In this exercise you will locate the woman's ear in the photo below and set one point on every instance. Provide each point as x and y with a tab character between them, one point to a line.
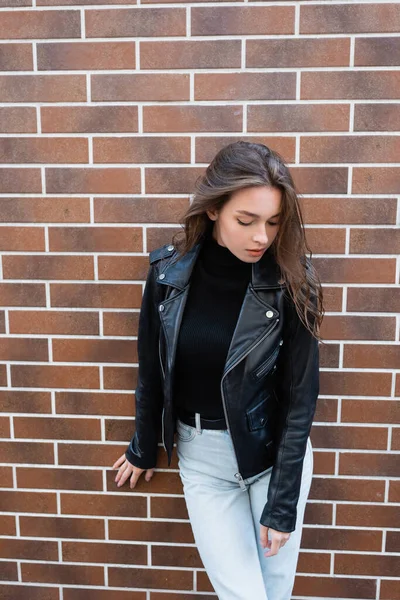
212	214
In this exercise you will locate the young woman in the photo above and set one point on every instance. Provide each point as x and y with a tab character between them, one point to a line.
229	362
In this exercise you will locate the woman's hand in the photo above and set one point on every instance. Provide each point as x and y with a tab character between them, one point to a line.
126	469
279	539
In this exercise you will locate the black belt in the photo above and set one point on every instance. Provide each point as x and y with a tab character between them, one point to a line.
189	419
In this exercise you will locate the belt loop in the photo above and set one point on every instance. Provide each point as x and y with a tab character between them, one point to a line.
198	423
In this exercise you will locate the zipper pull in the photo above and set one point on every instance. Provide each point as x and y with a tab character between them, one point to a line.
241	482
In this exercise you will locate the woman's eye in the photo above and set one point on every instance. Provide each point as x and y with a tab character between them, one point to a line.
269	223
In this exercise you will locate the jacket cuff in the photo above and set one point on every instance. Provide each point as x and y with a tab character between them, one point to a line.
283	523
137	460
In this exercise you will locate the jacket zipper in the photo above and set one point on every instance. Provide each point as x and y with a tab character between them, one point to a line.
238	474
264	367
163	410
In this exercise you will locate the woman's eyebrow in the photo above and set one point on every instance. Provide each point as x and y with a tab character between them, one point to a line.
250	214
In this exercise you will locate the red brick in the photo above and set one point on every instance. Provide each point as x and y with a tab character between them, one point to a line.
327	241
356	270
28	24
339	587
150	578
95	239
131	506
376	51
28	549
121	267
49	428
349	149
22	592
43	150
95	295
16	119
370	411
28	502
48	267
191	118
17	239
390	589
142	149
92	181
171	180
215	54
352	211
88	119
362	356
357	437
59	376
104	552
298	117
348	327
24	349
373	464
54	322
20	181
86	55
320	180
376	117
342	489
28	402
357	85
55	478
367	564
347	18
241	20
375	241
42	88
375	180
16	57
298	53
58	573
44	210
139	210
341	539
62	527
106	350
245	86
349	383
105	594
140	87
27	452
100	403
367	299
135	22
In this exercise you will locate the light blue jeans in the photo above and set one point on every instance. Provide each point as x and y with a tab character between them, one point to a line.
225	518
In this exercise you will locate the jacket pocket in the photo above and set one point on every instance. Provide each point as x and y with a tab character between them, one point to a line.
257	417
267	365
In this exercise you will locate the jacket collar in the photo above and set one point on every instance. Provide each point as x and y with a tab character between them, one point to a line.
265	274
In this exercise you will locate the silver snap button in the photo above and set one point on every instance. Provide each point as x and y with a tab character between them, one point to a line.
262	420
281	342
162	276
269	314
161	307
170	248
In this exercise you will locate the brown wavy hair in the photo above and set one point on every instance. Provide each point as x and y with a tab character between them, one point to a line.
245	164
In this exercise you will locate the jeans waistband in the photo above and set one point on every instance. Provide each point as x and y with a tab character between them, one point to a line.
190	419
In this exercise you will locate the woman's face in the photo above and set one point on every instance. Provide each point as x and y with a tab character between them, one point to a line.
248	221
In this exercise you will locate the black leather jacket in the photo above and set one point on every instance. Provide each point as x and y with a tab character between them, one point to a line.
269	386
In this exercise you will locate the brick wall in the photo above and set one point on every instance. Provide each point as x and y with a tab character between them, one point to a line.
108	112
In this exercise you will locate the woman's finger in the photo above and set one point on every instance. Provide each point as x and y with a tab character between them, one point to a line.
125	474
119	462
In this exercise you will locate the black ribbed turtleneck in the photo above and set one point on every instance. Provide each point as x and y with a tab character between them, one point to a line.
217	287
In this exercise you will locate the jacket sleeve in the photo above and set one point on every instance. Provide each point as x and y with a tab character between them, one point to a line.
143	448
297	393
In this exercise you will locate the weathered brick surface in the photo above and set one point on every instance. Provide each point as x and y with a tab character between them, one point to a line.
109	111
